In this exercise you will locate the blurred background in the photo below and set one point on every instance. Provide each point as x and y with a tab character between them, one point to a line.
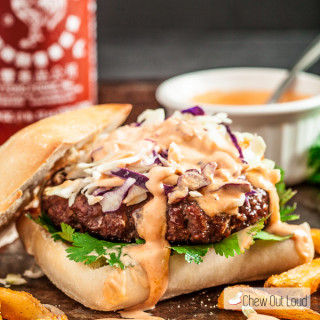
143	39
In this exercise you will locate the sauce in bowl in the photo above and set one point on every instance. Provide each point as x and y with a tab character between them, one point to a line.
244	97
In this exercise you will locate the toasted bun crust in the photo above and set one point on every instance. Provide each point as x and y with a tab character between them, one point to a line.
31	152
109	288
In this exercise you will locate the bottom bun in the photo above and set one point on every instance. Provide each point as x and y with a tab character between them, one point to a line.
109	288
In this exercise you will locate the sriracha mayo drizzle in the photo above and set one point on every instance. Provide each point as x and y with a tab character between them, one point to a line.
137	315
266	180
255	316
301	235
151	225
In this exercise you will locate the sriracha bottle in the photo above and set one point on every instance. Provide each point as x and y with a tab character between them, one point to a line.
47	59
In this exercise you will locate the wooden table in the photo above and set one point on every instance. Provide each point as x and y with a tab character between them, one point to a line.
200	305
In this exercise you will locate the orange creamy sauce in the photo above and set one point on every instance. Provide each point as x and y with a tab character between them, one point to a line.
192	148
244	97
255	316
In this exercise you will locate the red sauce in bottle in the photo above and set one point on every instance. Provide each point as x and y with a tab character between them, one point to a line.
47	59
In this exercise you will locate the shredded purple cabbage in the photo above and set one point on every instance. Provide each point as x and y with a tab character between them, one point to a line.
99	191
126	173
235	142
168	188
196	111
156	158
112	200
250	193
158	161
136	124
164	154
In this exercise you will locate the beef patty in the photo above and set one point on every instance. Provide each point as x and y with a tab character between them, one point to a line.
186	221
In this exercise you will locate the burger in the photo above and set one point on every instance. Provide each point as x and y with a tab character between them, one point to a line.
122	217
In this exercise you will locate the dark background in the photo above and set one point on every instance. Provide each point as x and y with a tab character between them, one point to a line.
155	39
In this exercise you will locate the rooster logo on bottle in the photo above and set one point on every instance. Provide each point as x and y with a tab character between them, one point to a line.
36	15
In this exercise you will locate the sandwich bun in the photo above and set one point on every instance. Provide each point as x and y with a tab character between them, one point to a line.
108	288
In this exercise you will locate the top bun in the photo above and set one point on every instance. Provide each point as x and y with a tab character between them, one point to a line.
32	151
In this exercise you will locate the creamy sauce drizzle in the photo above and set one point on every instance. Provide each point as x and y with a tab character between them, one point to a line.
255	316
138	315
151	226
301	235
245	239
266	180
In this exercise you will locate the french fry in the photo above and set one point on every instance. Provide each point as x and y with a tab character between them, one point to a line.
315	233
291	314
23	306
307	275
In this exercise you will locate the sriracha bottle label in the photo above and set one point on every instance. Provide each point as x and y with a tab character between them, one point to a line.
47	59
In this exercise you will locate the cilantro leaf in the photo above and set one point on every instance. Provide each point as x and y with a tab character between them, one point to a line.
228	246
88	249
193	253
85	248
284	196
65	234
44	221
253	230
264	235
314	162
231	245
285	213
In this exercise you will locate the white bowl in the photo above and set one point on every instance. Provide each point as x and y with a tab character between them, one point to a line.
288	128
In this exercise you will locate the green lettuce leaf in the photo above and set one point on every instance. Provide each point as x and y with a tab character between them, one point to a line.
264	235
85	248
44	221
193	253
314	162
66	233
88	249
229	246
284	196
